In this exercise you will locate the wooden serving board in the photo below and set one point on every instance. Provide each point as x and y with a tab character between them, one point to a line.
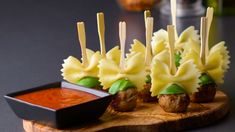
149	117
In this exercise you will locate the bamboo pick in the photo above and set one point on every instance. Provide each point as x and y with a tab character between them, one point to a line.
82	40
147	14
148	34
173	17
122	37
171	37
204	37
209	15
101	32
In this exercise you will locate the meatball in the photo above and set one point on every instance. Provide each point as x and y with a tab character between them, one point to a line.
125	101
206	93
145	94
174	103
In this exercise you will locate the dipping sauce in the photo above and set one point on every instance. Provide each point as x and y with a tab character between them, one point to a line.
57	98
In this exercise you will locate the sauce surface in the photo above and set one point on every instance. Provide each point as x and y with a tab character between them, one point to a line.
57	98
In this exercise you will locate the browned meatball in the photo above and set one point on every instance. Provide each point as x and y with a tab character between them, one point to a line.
174	103
145	94
125	100
206	93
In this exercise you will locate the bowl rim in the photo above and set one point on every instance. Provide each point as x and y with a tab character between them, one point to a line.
63	84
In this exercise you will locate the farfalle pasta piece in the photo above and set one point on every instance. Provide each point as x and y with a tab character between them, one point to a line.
189	35
217	61
163	57
73	70
160	40
186	76
192	45
137	46
222	49
133	71
114	54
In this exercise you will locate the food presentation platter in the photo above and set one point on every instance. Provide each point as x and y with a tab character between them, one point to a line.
149	117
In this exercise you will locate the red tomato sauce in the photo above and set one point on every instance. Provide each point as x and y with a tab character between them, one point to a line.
57	98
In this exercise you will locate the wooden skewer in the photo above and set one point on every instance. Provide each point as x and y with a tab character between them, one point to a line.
203	35
147	14
173	16
82	40
148	34
209	15
171	37
122	37
101	32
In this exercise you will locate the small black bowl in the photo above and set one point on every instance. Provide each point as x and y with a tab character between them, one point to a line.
64	117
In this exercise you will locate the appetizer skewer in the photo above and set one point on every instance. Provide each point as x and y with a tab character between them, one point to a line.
213	62
82	73
145	94
125	78
173	85
146	51
85	73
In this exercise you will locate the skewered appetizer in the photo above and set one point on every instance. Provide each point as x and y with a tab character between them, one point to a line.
144	94
138	47
85	73
213	62
173	85
125	78
82	73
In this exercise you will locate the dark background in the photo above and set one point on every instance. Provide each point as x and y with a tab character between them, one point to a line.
35	37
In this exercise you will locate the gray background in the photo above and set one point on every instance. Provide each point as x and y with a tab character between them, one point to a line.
35	37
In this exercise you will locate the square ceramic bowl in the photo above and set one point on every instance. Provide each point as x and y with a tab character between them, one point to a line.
63	117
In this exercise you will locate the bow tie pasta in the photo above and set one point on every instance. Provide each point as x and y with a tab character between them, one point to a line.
186	75
114	54
217	61
134	71
73	70
137	46
160	39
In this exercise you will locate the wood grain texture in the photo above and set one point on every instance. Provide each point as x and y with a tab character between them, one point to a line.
149	117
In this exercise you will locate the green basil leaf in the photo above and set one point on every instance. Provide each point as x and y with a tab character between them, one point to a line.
177	59
89	82
206	79
120	85
173	89
148	79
